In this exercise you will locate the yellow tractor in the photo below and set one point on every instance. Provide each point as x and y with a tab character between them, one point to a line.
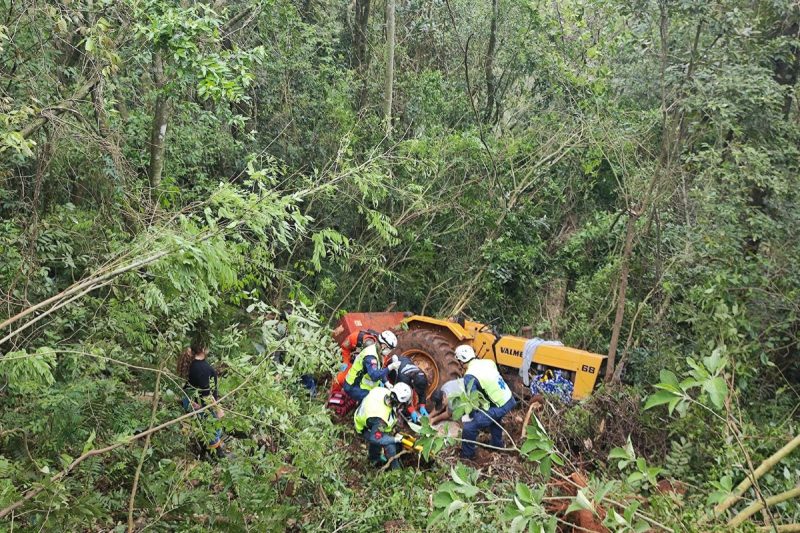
430	343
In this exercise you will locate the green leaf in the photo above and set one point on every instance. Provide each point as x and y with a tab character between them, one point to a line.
580	502
538	455
456	477
659	398
518	524
519	504
89	444
455	506
434	516
717	390
635	477
619	453
668	378
672	403
527	447
468	490
544	467
442	499
524	493
714	361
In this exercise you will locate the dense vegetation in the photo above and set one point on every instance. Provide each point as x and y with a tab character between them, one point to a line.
621	175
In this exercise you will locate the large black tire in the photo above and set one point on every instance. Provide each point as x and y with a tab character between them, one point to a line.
433	353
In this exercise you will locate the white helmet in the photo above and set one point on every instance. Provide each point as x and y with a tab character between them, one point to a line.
388	338
401	393
465	353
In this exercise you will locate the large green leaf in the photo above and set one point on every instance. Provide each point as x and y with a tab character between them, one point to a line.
659	398
717	390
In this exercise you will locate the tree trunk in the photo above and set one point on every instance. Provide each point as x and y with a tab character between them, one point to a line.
360	34
668	144
554	301
623	287
387	90
786	72
360	42
491	82
159	131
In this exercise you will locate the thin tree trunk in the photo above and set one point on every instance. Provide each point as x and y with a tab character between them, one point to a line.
786	71
387	90
360	41
159	131
554	301
636	209
491	82
623	287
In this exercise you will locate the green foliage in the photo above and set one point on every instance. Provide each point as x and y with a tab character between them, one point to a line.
626	521
539	448
708	376
28	373
527	513
283	203
642	475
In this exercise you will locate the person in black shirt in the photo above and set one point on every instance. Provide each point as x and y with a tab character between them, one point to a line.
403	370
198	391
201	373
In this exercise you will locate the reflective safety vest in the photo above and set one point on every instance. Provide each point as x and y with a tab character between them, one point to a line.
374	406
490	380
358	372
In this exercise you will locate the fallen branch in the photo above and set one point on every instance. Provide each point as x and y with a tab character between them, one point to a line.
622	506
756	506
762	469
393	459
91	283
785	528
52	309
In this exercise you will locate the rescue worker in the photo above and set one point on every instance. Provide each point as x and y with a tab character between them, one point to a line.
197	392
445	400
375	422
482	376
355	342
366	372
403	370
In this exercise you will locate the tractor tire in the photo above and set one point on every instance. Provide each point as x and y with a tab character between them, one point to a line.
433	353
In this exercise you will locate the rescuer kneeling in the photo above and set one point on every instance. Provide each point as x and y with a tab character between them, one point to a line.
482	376
375	420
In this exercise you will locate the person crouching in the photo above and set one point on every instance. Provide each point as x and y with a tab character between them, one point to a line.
375	421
